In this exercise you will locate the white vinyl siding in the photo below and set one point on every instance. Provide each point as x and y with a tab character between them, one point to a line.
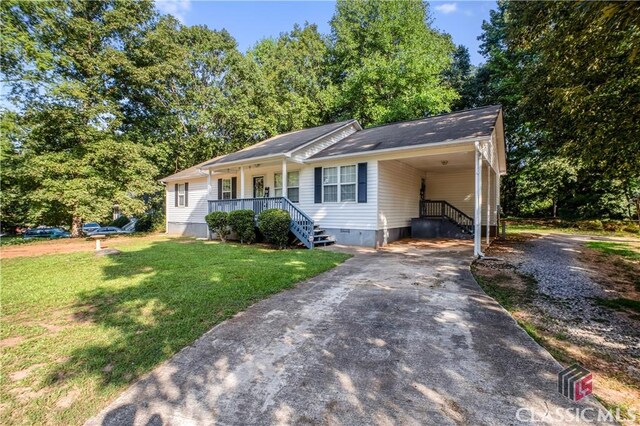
197	207
456	187
398	194
341	215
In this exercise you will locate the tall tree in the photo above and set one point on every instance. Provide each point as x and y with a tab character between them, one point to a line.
581	105
588	98
62	60
296	66
388	61
461	77
197	96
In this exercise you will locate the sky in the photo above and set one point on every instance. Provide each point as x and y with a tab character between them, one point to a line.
250	21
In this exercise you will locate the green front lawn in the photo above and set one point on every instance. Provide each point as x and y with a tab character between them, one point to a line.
621	249
77	329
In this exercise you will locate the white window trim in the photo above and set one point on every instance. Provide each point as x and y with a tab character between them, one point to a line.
230	191
182	194
275	188
339	184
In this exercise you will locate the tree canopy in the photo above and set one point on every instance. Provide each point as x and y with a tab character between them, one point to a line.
107	97
567	75
389	61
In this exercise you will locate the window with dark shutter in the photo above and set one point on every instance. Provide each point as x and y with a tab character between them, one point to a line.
186	194
219	189
362	182
175	193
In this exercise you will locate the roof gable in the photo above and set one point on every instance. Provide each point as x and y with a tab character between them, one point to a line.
280	144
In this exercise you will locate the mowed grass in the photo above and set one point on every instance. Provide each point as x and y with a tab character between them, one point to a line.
620	249
77	329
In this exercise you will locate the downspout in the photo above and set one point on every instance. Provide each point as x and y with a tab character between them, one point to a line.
477	216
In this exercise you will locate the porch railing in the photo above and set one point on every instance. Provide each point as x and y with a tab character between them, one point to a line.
443	210
301	224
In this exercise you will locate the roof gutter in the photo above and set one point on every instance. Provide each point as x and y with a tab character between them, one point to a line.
246	160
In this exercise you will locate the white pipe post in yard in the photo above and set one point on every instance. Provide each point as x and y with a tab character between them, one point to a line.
477	216
284	177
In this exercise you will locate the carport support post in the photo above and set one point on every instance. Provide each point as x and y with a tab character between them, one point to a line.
477	216
488	229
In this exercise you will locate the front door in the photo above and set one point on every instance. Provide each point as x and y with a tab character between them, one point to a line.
258	186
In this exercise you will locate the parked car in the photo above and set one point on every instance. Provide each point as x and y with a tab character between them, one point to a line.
89	227
109	230
45	233
131	226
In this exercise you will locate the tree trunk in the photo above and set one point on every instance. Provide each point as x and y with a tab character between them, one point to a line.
555	209
76	226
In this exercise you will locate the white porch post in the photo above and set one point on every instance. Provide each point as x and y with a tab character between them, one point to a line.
209	187
284	177
488	239
242	182
477	216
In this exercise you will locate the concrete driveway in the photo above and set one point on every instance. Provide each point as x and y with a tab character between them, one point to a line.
399	336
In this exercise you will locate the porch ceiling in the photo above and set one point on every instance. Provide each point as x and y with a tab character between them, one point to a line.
441	163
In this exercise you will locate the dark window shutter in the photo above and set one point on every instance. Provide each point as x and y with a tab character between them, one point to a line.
219	189
234	184
176	194
362	182
317	185
186	194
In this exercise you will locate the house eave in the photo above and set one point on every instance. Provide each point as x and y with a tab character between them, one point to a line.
197	175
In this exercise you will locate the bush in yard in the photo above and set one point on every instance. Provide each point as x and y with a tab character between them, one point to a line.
613	225
218	223
120	222
242	223
590	225
631	227
274	225
151	222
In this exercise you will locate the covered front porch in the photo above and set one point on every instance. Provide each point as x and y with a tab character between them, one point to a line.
258	186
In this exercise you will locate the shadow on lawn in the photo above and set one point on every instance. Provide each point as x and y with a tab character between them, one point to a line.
157	300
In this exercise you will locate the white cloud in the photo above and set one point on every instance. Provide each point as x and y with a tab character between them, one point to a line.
177	8
447	8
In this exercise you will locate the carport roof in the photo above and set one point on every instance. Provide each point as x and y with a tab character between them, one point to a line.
465	124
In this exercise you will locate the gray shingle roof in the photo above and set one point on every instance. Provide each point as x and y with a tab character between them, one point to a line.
441	128
191	172
280	144
470	123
